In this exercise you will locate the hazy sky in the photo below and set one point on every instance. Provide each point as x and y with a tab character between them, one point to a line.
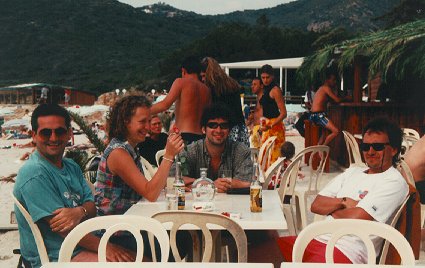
211	7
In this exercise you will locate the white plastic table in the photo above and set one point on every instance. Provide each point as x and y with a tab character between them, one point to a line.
154	265
271	218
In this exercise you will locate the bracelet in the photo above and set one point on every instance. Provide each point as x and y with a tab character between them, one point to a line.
84	211
168	159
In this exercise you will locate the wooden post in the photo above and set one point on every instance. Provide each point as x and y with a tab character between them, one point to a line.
357	91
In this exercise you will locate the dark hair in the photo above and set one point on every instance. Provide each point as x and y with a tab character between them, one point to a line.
192	65
258	78
329	72
393	131
214	111
287	150
120	114
46	110
268	69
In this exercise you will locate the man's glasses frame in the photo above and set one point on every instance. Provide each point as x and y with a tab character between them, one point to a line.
377	146
47	132
214	125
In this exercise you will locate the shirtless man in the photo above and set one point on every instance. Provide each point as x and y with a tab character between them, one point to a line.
190	96
318	109
257	89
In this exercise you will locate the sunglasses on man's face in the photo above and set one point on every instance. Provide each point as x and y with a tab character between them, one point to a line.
47	132
215	125
376	146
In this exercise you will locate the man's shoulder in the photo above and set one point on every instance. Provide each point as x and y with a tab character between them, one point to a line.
238	146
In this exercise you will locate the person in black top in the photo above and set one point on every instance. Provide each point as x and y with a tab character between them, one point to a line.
155	142
274	110
226	91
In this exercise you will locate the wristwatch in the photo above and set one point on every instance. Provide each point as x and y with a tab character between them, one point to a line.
84	211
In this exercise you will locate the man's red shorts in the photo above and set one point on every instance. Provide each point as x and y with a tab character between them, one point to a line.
315	251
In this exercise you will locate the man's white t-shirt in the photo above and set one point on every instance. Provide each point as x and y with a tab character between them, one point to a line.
380	195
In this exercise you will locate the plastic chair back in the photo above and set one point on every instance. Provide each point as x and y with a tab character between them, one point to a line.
411	132
202	219
353	150
158	156
113	224
41	248
360	228
265	154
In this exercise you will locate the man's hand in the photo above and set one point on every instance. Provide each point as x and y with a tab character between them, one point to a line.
349	203
115	253
65	219
222	185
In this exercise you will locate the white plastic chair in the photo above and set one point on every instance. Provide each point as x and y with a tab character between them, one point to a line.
411	132
310	184
360	228
158	156
265	154
273	170
353	150
406	144
41	248
112	224
288	179
393	224
202	220
148	169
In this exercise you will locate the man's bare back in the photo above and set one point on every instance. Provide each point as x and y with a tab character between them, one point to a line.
321	99
194	97
191	96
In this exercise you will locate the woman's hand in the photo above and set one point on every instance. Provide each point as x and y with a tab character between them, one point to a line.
174	145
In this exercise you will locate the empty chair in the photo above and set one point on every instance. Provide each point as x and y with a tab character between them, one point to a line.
148	169
407	143
265	153
41	248
288	180
274	170
363	229
309	185
158	156
411	132
112	224
200	219
353	150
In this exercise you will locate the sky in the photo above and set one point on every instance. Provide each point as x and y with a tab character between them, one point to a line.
211	7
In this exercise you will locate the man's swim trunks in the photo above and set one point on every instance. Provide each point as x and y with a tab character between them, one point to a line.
191	137
319	118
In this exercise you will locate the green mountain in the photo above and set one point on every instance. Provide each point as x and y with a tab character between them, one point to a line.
100	45
319	15
92	44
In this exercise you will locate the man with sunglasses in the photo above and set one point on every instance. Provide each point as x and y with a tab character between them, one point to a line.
54	192
217	152
372	193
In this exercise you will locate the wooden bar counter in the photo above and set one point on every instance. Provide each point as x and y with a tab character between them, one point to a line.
353	117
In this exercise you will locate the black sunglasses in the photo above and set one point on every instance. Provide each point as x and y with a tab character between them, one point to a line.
215	125
376	146
47	132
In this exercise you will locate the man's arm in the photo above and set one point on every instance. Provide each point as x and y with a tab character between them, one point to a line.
339	208
65	219
91	242
334	97
325	205
171	97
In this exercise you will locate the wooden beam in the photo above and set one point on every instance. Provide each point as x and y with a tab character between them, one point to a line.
357	92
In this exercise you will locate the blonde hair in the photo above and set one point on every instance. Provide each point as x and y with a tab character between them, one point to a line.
216	79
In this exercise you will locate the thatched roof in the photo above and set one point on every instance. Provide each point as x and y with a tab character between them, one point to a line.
399	51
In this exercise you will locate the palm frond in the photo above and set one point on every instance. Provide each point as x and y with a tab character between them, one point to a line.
100	146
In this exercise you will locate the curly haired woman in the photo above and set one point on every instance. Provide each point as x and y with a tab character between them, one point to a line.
120	180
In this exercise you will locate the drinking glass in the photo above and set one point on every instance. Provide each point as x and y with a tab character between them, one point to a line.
227	174
171	198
